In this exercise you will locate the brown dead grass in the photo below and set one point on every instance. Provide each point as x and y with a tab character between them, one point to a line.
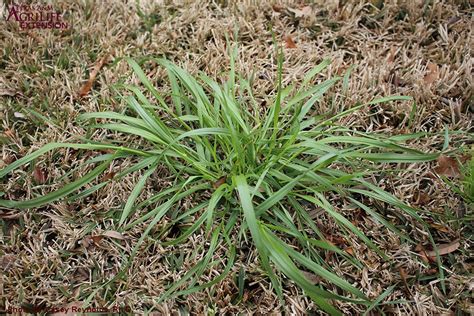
405	48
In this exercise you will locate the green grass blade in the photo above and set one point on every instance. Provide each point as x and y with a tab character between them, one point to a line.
30	157
316	70
251	220
58	194
286	265
134	195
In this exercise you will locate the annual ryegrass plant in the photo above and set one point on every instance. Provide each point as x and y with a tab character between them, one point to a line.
254	174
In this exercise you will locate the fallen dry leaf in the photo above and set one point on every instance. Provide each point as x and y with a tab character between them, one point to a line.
448	167
113	234
444	249
349	250
289	42
219	182
88	85
97	239
432	73
108	176
303	12
39	175
336	240
421	198
441	228
421	250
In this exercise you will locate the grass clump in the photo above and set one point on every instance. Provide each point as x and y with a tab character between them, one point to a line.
262	169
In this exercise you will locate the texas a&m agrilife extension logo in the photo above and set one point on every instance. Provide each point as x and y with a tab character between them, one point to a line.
36	16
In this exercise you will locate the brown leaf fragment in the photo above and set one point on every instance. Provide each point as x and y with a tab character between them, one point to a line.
88	84
432	73
97	239
349	250
421	250
448	167
444	249
421	198
336	240
113	234
289	42
86	87
424	257
39	175
440	227
108	176
219	182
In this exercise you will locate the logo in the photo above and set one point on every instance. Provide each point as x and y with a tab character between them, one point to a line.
31	16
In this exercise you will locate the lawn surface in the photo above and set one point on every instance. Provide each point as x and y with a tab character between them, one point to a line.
49	256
